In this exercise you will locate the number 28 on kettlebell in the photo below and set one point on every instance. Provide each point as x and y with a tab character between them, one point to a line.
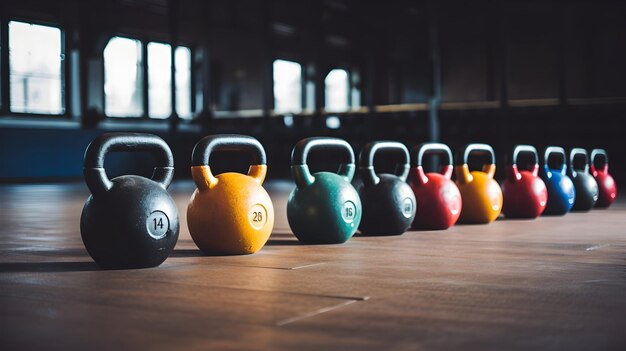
229	213
324	208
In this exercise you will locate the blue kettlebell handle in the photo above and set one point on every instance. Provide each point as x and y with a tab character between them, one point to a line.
299	168
95	175
366	160
550	150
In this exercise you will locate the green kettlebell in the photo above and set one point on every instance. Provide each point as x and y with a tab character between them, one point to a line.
324	208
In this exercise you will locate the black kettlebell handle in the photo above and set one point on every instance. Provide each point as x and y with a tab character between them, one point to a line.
550	150
227	142
366	160
578	152
95	175
595	153
422	149
463	156
300	153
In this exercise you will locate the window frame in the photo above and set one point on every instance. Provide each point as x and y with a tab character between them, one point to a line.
303	80
145	100
349	86
5	72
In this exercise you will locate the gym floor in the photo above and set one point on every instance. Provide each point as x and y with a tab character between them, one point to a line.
554	282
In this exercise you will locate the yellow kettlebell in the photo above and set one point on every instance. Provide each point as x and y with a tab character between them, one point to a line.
481	194
231	213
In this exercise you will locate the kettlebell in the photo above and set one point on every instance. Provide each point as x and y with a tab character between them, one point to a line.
481	194
438	198
388	201
561	192
606	184
231	213
584	183
323	208
129	221
525	194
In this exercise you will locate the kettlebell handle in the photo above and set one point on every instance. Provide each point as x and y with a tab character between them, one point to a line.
595	153
422	149
573	154
551	150
300	153
462	157
512	160
200	157
95	175
366	160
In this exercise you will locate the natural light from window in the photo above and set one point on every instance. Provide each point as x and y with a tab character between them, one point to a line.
35	60
183	82
287	87
123	78
159	80
337	89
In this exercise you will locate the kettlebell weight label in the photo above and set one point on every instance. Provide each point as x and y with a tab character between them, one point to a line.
407	207
158	224
348	211
257	216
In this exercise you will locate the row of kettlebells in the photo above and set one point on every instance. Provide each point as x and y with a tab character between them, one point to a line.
131	221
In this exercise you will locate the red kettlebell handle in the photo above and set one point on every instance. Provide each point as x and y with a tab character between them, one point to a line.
599	153
422	149
512	170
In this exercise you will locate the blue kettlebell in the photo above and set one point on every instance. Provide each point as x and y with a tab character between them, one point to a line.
561	192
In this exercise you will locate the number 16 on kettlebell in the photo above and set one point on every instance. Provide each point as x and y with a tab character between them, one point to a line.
229	213
324	208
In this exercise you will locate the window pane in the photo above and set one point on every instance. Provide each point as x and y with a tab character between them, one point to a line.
123	78
336	90
287	87
183	82
35	59
159	80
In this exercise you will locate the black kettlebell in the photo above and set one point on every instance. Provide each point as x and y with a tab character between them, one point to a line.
586	186
388	201
129	221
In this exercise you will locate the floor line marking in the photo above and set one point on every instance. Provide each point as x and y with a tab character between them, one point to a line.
315	313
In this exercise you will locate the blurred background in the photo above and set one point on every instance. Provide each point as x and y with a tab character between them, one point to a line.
499	72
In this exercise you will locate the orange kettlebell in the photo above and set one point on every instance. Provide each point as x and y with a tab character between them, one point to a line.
481	194
229	213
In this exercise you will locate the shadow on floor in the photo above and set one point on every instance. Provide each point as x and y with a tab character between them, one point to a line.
47	267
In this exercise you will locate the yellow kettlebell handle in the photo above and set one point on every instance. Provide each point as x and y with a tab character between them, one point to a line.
462	170
201	171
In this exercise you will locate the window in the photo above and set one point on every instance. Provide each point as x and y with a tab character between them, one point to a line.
35	69
287	87
123	78
183	82
159	80
337	91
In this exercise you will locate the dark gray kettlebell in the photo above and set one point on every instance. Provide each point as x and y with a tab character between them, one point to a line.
584	183
388	201
129	221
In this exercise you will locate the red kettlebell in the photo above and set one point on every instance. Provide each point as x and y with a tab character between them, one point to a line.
525	194
606	183
438	198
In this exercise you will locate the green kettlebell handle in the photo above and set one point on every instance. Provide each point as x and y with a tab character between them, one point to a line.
595	153
300	169
95	176
523	149
551	150
366	160
573	154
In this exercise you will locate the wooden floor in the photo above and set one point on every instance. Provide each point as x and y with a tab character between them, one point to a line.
551	283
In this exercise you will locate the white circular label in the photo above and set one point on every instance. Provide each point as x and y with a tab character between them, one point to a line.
348	211
257	216
158	224
407	207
